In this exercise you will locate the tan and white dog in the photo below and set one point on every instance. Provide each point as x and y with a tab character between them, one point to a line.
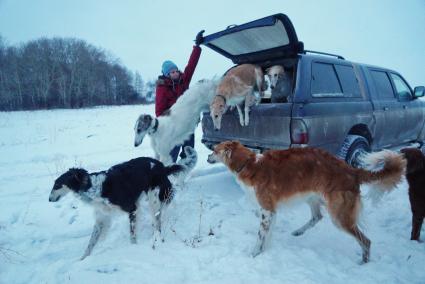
237	88
280	83
274	73
279	176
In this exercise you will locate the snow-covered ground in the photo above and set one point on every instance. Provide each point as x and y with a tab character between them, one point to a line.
210	227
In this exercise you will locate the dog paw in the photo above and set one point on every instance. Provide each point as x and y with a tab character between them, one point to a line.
362	262
255	253
157	238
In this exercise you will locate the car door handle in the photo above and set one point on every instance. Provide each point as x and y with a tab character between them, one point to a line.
385	108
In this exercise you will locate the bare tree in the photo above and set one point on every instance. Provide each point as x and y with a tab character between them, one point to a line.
63	72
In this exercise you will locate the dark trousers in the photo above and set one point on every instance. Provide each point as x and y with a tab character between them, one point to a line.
175	152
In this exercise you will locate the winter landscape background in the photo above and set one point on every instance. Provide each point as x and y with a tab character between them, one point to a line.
210	227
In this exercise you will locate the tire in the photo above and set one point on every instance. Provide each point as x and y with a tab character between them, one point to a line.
353	148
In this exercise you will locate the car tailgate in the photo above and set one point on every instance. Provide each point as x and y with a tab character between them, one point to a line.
269	127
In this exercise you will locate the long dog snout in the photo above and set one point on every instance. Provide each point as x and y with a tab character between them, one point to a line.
211	158
138	139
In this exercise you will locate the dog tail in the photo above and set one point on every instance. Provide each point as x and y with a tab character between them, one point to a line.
185	165
259	79
383	170
173	169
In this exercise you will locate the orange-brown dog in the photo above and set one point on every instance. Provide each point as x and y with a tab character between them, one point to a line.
278	176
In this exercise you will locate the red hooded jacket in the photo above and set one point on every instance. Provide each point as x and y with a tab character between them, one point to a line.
168	91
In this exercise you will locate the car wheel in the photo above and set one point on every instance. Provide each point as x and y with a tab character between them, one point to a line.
353	148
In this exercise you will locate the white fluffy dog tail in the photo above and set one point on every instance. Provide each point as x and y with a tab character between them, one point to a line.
383	170
185	165
190	160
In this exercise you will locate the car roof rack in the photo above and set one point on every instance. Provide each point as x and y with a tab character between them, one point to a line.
323	53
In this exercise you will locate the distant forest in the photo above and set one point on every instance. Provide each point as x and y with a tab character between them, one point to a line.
66	73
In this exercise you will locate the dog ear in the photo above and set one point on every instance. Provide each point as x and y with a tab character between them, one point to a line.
86	182
228	153
83	179
147	118
234	144
229	148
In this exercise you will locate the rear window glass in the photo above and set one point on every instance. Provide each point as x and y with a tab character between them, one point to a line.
348	79
383	84
324	81
254	39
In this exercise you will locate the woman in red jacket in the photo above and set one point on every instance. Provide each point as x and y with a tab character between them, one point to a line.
172	84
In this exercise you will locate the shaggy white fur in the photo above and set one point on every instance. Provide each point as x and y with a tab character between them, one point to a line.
173	129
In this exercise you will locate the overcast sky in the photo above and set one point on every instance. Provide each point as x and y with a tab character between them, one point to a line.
144	33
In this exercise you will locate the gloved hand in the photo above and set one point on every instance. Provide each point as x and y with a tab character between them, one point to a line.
199	38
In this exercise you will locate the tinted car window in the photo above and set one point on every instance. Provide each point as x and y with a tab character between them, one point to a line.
348	79
324	81
402	89
383	84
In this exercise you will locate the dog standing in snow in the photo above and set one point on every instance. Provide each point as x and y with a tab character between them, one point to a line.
415	175
120	188
172	129
236	89
279	176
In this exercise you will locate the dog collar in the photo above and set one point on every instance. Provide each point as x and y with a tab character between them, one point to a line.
224	99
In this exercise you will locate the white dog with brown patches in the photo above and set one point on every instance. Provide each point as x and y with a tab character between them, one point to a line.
236	89
280	83
274	73
279	176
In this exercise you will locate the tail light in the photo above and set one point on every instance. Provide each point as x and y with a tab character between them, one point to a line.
299	132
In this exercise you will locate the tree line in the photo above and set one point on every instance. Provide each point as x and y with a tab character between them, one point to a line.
65	73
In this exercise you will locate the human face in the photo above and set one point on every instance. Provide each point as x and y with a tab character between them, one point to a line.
174	74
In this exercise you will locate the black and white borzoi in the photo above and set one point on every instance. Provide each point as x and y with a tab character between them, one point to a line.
120	188
173	129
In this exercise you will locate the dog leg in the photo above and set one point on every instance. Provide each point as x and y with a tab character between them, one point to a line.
100	227
241	119
417	221
156	151
267	219
155	206
363	241
133	221
316	216
246	109
344	208
250	100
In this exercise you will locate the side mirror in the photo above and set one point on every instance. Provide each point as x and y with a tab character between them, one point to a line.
419	92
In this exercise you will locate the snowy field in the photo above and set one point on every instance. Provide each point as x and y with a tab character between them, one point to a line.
210	227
